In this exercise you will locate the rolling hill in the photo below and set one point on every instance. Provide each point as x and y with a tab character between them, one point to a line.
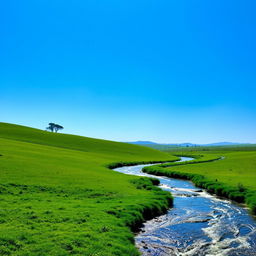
58	196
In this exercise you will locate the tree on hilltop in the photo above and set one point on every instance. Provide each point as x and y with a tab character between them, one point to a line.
54	127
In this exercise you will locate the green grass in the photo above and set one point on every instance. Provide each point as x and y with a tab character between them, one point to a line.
174	148
57	196
198	158
233	177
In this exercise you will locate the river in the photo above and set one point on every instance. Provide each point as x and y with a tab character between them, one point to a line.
199	224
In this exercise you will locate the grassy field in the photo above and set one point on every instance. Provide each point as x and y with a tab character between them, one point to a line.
174	148
233	177
57	196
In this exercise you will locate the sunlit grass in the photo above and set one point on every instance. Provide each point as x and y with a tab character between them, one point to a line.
57	197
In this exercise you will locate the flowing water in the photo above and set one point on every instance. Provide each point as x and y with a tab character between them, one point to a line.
198	224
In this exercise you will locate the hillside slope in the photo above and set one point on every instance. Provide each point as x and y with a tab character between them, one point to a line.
32	135
57	197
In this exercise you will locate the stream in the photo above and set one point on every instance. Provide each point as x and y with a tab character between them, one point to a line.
199	224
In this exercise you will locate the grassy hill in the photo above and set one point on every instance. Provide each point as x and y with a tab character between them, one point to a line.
57	196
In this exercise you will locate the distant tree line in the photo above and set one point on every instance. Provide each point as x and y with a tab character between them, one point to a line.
54	127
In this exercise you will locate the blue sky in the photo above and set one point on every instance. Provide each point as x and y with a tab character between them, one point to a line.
167	71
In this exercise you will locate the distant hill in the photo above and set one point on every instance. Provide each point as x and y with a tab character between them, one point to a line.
186	144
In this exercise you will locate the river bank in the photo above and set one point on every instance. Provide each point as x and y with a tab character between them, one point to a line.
238	193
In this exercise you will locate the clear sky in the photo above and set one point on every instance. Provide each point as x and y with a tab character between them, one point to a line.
160	70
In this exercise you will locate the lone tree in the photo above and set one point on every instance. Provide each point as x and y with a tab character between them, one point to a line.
54	127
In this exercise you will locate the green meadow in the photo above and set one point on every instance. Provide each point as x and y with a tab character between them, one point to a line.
59	197
226	171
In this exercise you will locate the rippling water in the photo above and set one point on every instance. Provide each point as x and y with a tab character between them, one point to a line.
198	224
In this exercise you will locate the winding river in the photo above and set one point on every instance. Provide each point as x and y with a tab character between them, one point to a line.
198	224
